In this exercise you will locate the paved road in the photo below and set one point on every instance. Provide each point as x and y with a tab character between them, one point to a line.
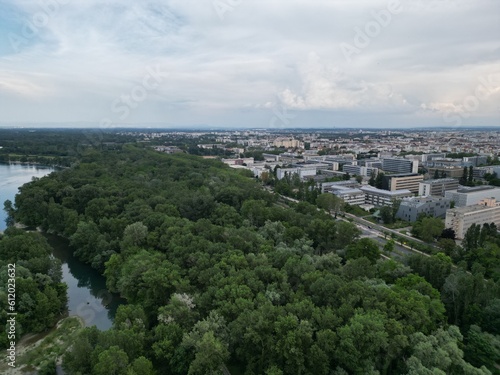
376	233
378	237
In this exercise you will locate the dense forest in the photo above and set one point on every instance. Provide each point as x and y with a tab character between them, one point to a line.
40	297
222	278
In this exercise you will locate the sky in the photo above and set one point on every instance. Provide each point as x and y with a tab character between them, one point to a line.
250	63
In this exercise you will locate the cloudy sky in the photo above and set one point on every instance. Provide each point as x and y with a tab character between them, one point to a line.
250	63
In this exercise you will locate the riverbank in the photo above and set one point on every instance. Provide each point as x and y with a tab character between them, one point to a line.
34	351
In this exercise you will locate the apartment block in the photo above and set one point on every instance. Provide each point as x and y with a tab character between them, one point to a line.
461	219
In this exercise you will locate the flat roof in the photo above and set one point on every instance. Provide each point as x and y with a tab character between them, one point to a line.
469	209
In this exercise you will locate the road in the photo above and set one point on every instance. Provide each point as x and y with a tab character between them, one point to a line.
376	233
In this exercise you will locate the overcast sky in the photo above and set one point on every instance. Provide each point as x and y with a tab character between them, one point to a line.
250	63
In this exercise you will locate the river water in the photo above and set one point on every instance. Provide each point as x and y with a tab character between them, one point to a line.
87	294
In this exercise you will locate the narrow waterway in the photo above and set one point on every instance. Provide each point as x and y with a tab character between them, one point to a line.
87	294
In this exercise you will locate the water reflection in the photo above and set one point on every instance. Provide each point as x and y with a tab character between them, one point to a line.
13	176
87	294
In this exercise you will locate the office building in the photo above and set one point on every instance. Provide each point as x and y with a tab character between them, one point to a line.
356	170
402	181
460	219
379	197
468	196
354	197
411	208
399	165
289	172
437	187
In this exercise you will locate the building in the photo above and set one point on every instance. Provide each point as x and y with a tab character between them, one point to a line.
241	161
400	165
354	197
467	196
287	143
446	172
356	170
379	197
411	208
461	219
429	157
301	172
476	160
437	187
402	181
328	187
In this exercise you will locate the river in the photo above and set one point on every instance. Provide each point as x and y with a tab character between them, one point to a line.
87	294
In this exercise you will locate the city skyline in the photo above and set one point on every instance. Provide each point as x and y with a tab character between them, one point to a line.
231	63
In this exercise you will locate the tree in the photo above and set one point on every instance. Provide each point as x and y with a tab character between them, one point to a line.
440	353
396	203
365	247
379	181
386	215
436	174
329	202
141	366
135	234
361	341
470	177
427	228
463	179
9	210
113	361
482	348
389	246
371	181
448	233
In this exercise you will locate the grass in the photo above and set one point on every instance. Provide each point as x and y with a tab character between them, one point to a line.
399	224
53	345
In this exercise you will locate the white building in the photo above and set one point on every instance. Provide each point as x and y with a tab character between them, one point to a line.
468	196
379	197
301	172
359	170
461	219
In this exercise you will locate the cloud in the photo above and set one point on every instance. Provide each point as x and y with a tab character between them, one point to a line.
259	56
